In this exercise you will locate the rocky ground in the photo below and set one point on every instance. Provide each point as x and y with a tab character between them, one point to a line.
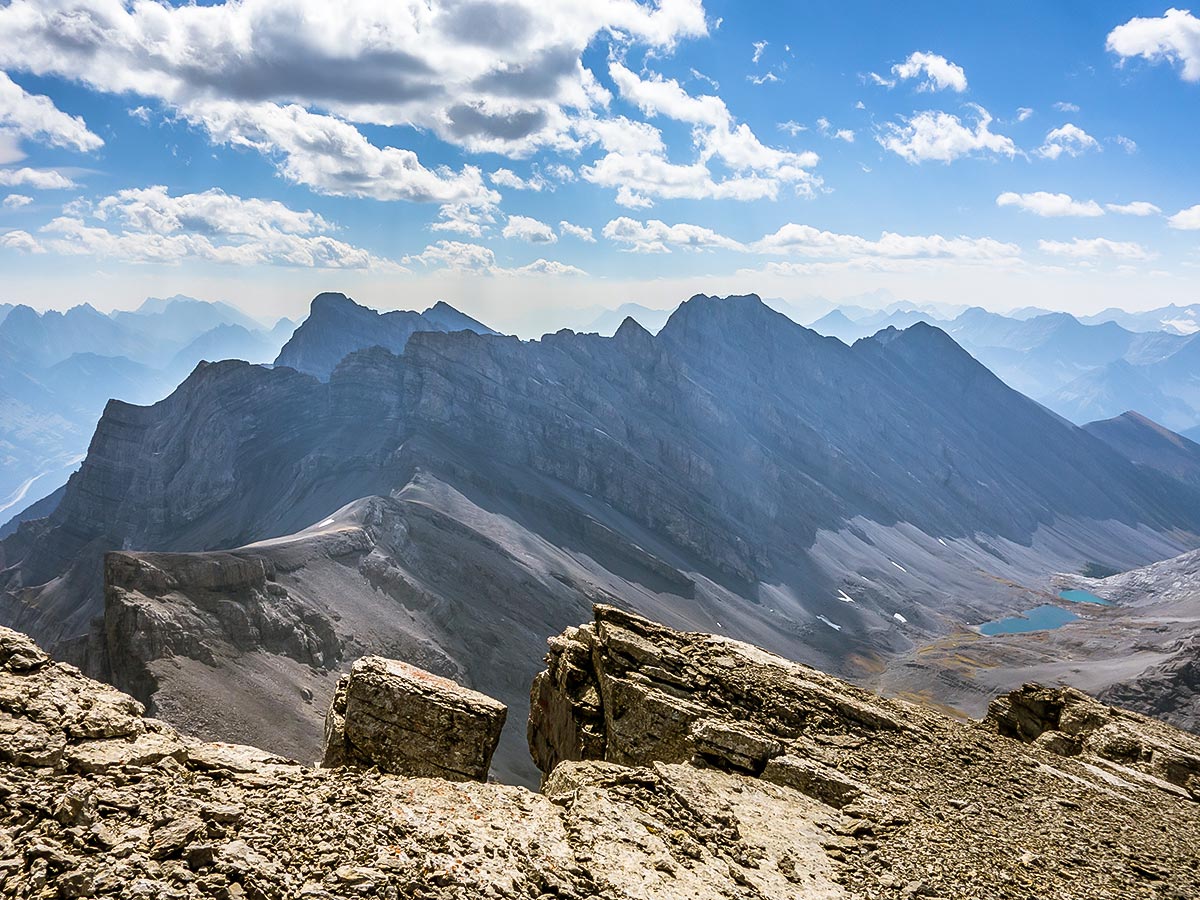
678	765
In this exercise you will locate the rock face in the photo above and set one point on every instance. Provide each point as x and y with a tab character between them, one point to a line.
337	326
940	809
1070	723
406	721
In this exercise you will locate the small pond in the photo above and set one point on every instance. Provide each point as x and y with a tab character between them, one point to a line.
1040	618
1076	596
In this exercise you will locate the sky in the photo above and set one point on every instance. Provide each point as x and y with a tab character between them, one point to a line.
526	158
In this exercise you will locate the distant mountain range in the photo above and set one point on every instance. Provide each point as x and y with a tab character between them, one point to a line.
1083	368
457	501
58	369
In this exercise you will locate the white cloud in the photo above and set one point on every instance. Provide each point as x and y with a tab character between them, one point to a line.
1063	106
292	79
35	117
1069	139
16	201
939	73
876	78
524	228
471	219
1174	37
38	179
654	236
759	47
333	157
479	260
762	79
141	113
1091	248
1023	113
1127	144
547	267
1186	219
805	240
455	255
636	162
794	239
791	127
942	137
1136	208
1043	203
577	231
842	134
510	179
21	240
149	225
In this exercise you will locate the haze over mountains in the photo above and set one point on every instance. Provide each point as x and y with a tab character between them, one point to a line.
737	472
58	369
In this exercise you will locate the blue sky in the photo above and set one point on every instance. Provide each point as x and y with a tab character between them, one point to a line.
1001	154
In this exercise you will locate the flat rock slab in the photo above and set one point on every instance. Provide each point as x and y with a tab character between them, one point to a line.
406	721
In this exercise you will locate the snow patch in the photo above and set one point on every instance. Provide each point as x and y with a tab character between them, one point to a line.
899	618
844	597
830	624
326	522
898	566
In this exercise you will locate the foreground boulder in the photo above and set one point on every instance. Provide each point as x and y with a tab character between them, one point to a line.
743	775
406	721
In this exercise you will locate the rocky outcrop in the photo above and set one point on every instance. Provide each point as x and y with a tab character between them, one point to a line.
1070	723
945	809
405	721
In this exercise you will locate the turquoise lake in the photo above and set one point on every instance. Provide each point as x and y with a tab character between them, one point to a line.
1040	618
1083	597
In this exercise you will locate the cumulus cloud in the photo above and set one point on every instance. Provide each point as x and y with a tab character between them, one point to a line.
1136	208
471	219
35	117
1043	203
38	179
21	240
795	239
1091	248
1174	37
16	201
942	137
476	259
654	236
937	72
1023	113
289	78
525	228
333	157
1069	139
510	179
805	240
577	231
149	225
1186	219
636	163
548	267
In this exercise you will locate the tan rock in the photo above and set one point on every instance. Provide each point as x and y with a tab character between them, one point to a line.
406	721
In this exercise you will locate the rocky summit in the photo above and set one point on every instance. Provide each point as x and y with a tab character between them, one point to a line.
675	764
